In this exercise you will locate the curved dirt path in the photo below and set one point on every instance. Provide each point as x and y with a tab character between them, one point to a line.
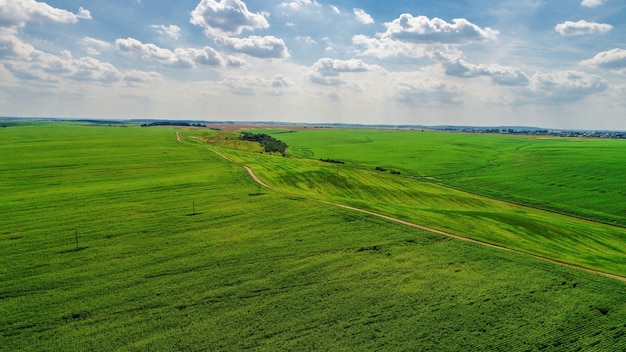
425	228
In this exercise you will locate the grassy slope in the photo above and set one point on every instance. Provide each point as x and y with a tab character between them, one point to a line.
581	177
269	272
562	238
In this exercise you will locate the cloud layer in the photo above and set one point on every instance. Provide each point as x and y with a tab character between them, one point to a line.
318	60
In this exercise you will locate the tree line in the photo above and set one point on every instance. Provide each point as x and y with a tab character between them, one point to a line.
269	143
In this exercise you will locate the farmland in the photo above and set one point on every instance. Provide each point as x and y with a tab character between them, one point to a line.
562	238
580	177
124	238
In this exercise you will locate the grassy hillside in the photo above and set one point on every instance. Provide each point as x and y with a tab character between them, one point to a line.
246	271
581	177
571	240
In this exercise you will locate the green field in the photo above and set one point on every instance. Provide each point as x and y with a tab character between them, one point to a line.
580	177
177	250
562	238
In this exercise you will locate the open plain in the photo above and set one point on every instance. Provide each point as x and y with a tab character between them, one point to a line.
125	238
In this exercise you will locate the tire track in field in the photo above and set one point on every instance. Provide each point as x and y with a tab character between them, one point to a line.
426	228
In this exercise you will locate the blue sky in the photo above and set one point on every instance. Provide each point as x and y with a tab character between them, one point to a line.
552	64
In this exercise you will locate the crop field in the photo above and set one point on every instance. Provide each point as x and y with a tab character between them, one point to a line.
562	238
124	238
580	177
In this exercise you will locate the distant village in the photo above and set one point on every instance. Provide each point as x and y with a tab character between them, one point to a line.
545	132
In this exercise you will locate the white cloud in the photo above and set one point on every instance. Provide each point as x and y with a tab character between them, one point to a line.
226	17
614	59
90	69
180	58
335	9
26	62
141	76
502	75
308	40
564	86
299	4
233	61
419	37
172	31
424	30
205	56
94	46
363	17
385	47
328	71
582	27
12	47
280	81
89	41
83	14
268	47
592	3
15	13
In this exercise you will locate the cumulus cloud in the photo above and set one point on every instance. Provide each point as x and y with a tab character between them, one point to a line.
418	37
564	86
233	61
582	27
172	31
94	46
90	69
179	58
363	17
382	48
268	47
335	9
328	71
614	59
15	13
226	17
280	81
592	3
83	14
502	75
299	4
12	47
421	29
141	76
26	62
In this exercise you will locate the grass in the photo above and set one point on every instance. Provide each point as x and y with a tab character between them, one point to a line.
265	272
562	238
579	177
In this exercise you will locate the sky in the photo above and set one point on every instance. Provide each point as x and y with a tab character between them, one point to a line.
541	63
